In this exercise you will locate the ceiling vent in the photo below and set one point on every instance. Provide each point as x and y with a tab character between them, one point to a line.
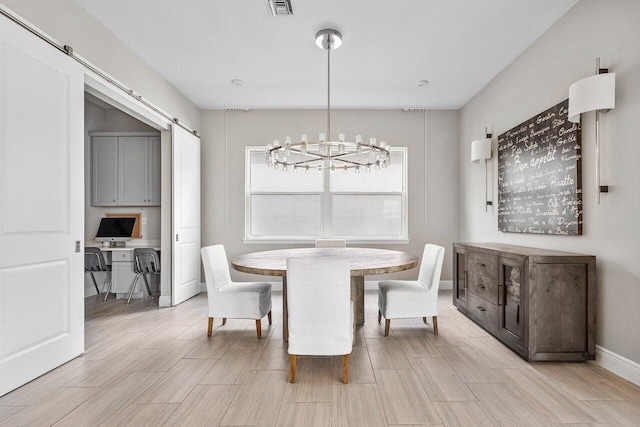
280	7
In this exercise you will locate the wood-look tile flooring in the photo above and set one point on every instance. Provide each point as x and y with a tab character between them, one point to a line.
150	367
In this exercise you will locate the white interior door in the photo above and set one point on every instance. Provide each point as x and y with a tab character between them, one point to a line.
41	207
186	215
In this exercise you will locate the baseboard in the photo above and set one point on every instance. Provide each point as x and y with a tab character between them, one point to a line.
447	285
619	365
164	301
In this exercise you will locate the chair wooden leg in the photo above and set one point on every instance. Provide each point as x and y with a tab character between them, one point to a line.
258	328
224	321
269	317
210	327
379	316
435	325
424	319
292	374
387	323
345	369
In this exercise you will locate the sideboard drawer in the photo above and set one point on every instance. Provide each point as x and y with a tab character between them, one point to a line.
483	286
483	312
484	264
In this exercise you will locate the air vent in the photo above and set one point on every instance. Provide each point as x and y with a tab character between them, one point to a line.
280	7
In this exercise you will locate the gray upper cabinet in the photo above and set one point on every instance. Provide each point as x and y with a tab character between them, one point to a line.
104	151
133	170
154	171
126	169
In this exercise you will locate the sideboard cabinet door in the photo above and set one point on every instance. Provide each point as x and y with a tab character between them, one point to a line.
512	289
460	278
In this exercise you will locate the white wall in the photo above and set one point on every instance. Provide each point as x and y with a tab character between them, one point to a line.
71	25
226	133
538	79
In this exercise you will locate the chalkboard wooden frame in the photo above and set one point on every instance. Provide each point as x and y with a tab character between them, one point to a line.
540	175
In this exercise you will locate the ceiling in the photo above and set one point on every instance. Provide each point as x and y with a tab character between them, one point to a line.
388	46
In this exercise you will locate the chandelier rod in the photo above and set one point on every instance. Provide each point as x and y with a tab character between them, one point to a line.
329	88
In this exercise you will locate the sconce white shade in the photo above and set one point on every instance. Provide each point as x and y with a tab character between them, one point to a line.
597	92
480	149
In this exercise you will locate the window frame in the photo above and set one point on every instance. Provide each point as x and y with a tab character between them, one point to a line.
326	206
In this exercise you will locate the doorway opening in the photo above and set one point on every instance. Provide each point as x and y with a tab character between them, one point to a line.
122	179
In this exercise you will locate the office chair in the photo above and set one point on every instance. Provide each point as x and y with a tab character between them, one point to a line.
145	261
93	263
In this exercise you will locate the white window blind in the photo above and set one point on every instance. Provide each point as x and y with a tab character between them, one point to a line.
288	206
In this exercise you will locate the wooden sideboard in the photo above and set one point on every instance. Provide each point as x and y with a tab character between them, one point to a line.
541	303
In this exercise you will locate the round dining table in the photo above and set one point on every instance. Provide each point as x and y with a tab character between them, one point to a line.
364	262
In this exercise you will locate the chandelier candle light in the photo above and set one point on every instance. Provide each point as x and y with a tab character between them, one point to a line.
327	154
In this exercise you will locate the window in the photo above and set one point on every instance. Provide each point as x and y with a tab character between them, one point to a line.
287	206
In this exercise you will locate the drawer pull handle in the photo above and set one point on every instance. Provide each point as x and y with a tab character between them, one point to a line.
482	264
482	286
481	308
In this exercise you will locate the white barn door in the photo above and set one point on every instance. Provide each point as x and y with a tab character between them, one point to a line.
186	215
41	207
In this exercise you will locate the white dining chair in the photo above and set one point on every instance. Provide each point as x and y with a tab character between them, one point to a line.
331	243
233	300
400	299
320	310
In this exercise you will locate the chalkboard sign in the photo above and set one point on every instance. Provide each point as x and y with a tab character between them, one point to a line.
539	175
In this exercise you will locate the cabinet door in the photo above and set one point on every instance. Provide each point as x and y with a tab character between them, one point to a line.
512	291
133	170
154	171
104	153
460	278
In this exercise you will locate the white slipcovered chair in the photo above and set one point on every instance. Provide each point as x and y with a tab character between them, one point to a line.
331	243
320	310
232	300
401	299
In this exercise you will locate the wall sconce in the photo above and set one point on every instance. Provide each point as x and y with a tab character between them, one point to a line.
596	93
481	150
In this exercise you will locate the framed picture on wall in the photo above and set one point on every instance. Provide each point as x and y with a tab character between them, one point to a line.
539	175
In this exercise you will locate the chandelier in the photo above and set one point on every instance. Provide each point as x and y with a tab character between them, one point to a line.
328	154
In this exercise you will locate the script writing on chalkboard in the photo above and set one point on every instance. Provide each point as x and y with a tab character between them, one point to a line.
539	175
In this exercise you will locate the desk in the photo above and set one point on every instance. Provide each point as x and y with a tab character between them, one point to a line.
364	261
121	262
